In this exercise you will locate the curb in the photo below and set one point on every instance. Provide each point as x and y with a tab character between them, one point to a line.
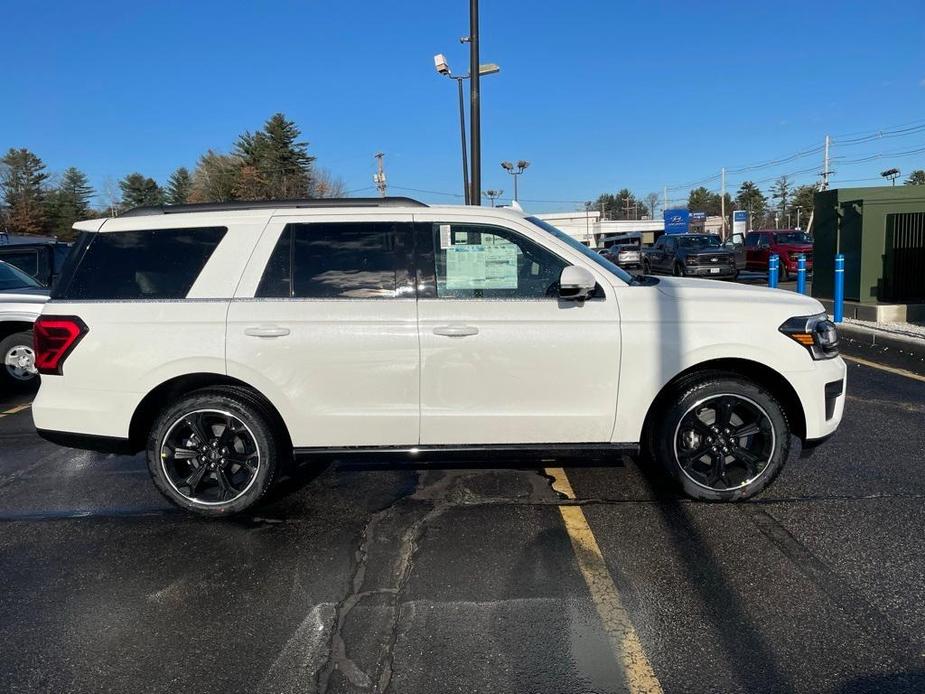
900	348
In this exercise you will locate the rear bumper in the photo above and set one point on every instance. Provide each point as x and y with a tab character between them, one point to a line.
66	409
89	442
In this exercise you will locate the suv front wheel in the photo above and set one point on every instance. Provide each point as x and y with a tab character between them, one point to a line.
722	437
215	452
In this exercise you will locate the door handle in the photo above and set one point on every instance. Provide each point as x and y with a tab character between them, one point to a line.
456	330
266	331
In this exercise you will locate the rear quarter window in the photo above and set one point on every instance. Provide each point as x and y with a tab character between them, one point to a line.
133	265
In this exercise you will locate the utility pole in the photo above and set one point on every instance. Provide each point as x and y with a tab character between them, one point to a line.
825	166
722	203
475	118
379	176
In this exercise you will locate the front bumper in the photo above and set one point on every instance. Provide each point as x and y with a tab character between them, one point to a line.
822	392
710	270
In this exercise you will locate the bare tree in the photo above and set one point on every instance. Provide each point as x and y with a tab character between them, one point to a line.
327	185
652	202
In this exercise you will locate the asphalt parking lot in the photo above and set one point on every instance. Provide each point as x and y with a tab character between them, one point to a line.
359	577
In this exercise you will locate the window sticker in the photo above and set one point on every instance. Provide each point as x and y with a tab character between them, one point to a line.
445	241
479	266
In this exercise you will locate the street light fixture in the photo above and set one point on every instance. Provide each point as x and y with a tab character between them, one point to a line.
891	174
443	68
493	195
521	165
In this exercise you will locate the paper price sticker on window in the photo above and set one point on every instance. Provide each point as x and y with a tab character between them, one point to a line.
481	267
446	240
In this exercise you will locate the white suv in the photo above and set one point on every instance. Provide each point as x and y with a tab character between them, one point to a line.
224	339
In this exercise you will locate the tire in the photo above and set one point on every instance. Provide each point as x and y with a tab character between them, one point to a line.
17	362
229	465
694	454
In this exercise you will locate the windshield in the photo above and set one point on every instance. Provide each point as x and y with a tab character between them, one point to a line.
14	278
794	237
593	255
703	241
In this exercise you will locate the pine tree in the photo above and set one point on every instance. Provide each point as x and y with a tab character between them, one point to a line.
69	202
22	177
277	165
138	191
179	186
751	199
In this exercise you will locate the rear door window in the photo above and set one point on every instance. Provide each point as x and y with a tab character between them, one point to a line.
341	260
133	265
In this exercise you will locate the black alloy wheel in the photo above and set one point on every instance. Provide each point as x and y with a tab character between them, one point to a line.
721	436
215	452
724	442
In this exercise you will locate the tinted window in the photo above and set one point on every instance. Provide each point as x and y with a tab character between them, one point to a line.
27	261
794	237
361	260
751	241
707	241
481	262
12	277
161	264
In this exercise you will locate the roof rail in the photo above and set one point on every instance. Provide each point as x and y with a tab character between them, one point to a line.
271	205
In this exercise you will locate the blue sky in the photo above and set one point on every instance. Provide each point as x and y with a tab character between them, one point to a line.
597	94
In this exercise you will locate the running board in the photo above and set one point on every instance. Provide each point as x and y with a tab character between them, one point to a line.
506	451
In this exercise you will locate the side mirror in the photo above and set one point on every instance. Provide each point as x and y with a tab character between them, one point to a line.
576	283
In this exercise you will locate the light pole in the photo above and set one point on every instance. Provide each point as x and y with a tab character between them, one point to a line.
799	208
520	166
441	65
493	195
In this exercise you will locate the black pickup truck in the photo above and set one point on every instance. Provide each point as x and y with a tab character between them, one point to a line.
690	255
38	256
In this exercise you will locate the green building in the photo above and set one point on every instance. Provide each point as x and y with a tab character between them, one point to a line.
881	232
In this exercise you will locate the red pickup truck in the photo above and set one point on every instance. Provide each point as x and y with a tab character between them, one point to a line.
788	244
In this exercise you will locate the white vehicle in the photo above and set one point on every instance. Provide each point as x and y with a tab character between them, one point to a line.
21	301
224	339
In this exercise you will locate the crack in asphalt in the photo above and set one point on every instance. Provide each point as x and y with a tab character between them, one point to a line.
432	500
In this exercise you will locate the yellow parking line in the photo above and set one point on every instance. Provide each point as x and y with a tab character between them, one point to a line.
883	367
14	410
639	674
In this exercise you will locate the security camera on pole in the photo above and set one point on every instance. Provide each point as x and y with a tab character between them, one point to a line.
444	69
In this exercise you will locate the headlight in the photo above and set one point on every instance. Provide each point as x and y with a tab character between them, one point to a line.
817	333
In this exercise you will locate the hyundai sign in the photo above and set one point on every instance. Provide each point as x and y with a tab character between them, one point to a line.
677	221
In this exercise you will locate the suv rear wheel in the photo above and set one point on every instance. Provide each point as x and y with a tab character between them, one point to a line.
215	452
17	361
723	438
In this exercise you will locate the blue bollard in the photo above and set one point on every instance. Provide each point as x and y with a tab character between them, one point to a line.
801	274
773	267
839	298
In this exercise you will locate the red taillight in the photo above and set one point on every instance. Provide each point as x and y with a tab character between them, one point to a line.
54	338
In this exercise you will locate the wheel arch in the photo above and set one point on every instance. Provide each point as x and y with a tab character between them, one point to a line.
754	371
11	327
149	407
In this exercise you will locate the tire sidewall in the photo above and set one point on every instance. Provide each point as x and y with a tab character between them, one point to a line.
247	412
684	398
22	339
